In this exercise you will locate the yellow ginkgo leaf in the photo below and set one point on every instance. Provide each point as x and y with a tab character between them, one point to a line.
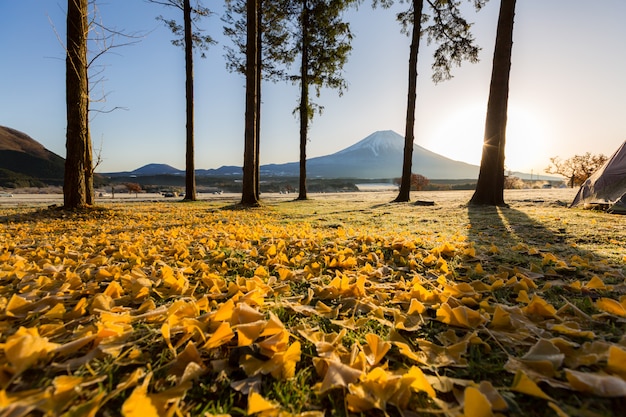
17	306
261	272
572	329
258	404
247	333
224	312
407	352
420	383
476	404
459	316
287	361
139	404
375	349
244	313
595	283
611	306
337	375
25	347
416	306
273	326
55	313
525	385
617	360
501	319
165	332
522	297
222	335
540	307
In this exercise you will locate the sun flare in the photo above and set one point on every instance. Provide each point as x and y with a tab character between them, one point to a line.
460	137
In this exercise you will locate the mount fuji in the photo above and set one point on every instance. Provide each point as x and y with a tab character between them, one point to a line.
377	156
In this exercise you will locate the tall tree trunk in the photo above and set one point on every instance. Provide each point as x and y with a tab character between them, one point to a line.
77	96
304	100
89	168
409	132
190	170
490	186
249	182
259	54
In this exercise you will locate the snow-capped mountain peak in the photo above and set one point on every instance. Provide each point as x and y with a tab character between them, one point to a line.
378	143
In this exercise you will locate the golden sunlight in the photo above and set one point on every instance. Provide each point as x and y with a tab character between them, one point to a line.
460	137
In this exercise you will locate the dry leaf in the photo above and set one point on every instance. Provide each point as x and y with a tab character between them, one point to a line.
596	384
525	385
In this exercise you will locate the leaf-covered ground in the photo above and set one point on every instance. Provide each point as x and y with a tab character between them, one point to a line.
343	305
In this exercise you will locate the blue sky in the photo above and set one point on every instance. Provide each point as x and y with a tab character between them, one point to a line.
567	93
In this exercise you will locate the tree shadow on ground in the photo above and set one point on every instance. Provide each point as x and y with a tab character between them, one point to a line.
511	227
540	256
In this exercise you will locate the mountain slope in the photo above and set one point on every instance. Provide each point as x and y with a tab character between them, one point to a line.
26	162
157	169
378	156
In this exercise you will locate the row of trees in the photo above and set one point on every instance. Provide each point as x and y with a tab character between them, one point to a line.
268	37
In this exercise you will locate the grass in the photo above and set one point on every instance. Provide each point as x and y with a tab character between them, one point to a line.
126	303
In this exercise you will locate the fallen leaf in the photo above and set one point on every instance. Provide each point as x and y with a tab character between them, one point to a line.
375	349
222	335
617	361
258	404
476	404
525	385
597	384
611	306
25	347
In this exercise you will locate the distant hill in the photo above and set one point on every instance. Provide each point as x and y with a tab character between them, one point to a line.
25	162
378	156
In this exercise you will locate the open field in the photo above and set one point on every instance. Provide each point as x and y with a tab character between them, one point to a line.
343	305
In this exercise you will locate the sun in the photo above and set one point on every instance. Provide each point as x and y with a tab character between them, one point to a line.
460	137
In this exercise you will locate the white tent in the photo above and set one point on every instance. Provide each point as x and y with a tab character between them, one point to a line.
606	188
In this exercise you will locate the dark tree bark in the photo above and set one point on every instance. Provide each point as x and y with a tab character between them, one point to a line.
249	181
189	40
490	186
90	194
409	132
304	100
77	99
273	49
259	57
190	169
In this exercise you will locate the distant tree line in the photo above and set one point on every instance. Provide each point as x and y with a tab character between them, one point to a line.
272	36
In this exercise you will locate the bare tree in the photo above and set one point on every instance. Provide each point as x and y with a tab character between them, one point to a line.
577	168
78	189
